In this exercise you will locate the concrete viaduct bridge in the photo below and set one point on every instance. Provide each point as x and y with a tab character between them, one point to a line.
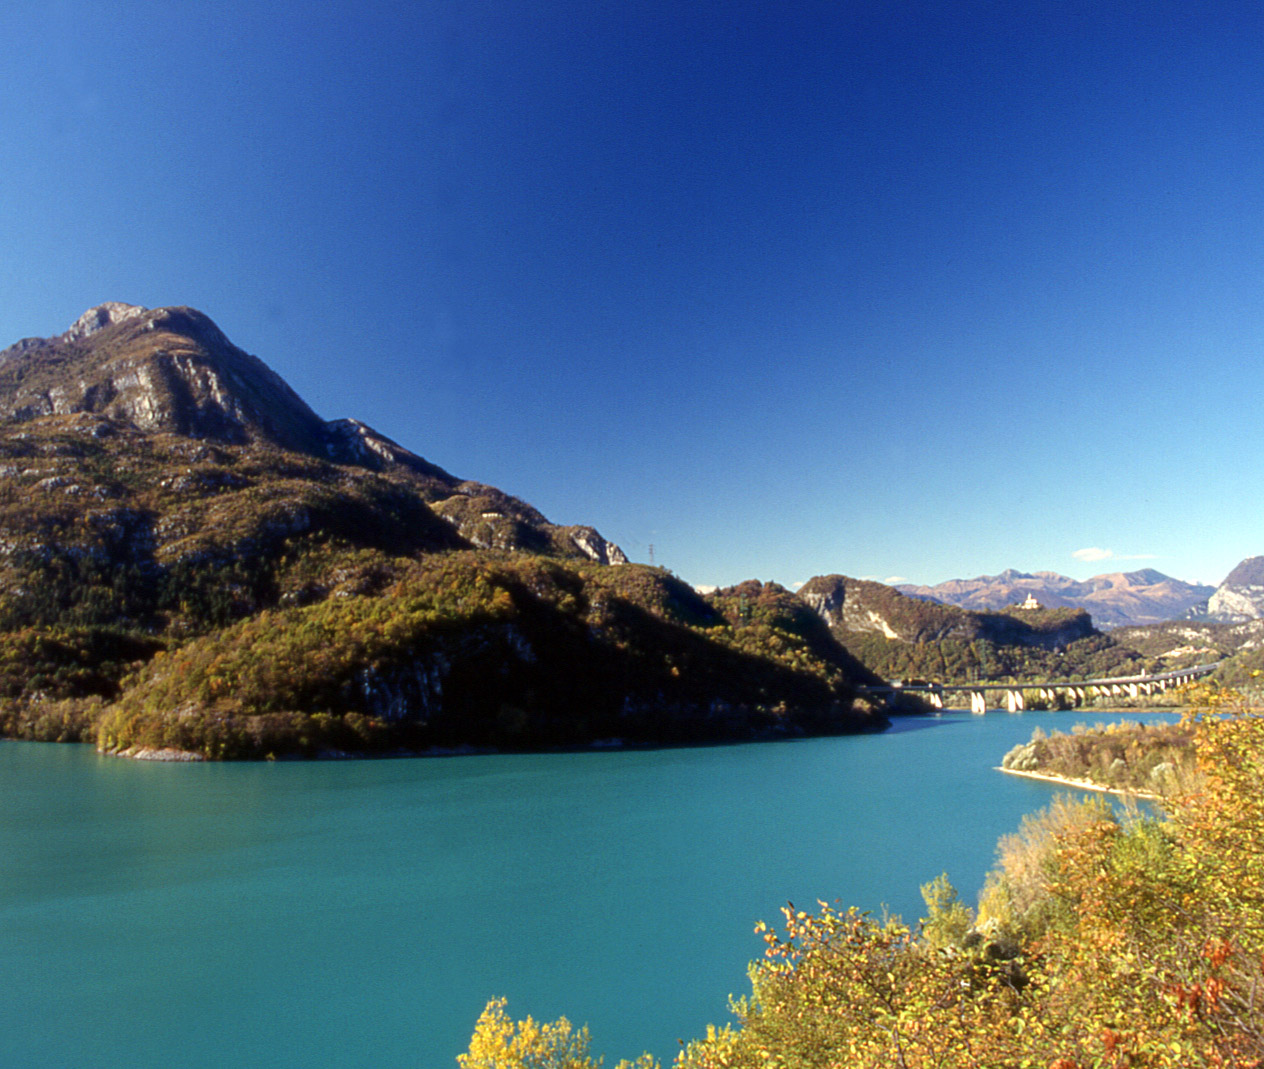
1012	696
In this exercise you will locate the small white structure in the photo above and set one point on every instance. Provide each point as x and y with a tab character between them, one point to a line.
1030	603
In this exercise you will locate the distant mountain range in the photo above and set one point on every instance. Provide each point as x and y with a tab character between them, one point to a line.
1118	599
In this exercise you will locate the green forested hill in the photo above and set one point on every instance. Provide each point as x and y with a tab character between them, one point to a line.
473	649
204	565
901	637
1181	643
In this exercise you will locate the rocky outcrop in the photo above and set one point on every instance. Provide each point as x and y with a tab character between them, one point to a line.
100	317
858	606
1241	595
594	547
1117	599
348	441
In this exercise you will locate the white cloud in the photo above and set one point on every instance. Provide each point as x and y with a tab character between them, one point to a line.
891	580
1094	553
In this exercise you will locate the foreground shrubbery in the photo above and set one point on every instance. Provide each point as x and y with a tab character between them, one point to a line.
1096	943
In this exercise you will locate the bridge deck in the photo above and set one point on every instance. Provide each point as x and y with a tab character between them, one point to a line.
1064	684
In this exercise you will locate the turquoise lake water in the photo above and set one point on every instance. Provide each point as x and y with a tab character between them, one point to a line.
361	913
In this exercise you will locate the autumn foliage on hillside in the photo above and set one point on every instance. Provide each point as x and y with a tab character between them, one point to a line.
238	600
901	637
1098	942
954	660
486	650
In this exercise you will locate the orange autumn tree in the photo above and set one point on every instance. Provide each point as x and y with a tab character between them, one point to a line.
501	1043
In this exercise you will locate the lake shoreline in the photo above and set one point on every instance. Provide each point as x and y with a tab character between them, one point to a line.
1080	784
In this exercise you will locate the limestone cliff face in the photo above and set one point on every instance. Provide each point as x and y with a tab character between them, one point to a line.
594	547
856	605
1241	595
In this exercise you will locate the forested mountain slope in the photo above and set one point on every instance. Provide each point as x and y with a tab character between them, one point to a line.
192	560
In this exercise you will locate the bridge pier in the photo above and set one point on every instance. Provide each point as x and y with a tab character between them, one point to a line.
936	698
1014	701
978	703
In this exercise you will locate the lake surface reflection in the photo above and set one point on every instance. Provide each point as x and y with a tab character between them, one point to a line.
362	913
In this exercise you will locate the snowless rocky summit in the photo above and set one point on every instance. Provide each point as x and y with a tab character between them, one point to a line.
1241	596
173	371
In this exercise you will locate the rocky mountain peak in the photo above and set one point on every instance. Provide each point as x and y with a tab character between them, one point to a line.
167	369
172	371
1241	596
1249	572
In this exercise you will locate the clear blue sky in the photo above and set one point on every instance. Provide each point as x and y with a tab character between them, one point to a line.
888	289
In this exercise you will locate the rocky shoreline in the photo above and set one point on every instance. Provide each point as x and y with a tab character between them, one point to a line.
150	753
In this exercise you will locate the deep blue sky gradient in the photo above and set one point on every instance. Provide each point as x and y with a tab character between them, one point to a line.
918	290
